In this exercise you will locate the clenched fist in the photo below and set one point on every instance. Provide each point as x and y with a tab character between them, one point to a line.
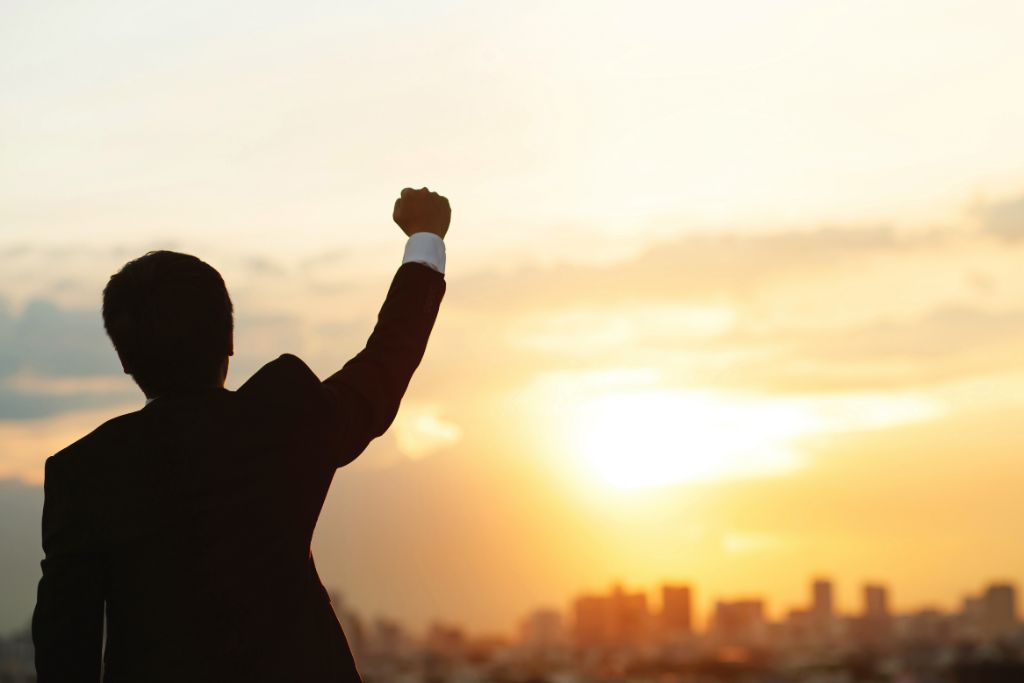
422	211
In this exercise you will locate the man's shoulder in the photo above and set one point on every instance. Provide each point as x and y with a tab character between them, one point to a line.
100	438
285	391
285	371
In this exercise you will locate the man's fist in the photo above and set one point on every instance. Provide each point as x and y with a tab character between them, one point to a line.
422	211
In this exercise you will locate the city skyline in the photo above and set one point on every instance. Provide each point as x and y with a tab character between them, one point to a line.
676	610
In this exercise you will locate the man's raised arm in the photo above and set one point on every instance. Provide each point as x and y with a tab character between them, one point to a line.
365	394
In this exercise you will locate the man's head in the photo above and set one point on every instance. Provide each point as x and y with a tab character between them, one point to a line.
170	319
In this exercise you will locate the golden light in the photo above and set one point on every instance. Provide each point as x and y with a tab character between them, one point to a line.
645	438
642	439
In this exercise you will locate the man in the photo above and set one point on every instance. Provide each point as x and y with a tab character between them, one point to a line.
185	526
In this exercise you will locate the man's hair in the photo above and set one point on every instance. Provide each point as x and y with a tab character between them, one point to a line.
170	318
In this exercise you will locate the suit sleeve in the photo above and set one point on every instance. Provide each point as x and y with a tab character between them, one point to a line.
67	625
363	397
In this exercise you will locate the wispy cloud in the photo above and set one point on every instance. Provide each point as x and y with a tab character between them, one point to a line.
1004	219
421	429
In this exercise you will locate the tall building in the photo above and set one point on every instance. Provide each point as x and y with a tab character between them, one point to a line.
592	620
676	609
876	601
874	628
821	615
821	599
992	615
999	610
619	617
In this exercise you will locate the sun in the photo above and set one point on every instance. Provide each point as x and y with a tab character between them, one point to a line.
655	438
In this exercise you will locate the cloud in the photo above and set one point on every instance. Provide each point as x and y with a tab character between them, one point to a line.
742	542
945	344
18	405
829	310
49	340
54	360
940	347
1004	219
792	311
937	335
330	257
696	267
261	266
420	430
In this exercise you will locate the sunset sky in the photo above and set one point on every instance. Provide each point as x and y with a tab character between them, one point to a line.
734	289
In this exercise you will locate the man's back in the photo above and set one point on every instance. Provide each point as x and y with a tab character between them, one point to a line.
191	519
206	506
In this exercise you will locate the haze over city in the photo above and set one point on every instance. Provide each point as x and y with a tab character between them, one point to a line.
782	241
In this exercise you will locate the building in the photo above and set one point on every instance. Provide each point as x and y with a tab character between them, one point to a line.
998	611
876	601
822	612
616	618
799	629
926	627
873	630
821	600
542	630
739	623
676	610
592	620
990	616
446	640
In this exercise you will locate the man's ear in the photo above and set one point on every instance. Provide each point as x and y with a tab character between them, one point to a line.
124	364
231	345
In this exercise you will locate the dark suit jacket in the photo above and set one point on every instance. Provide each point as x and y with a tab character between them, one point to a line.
190	520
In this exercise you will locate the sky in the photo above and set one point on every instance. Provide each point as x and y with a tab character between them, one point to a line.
733	290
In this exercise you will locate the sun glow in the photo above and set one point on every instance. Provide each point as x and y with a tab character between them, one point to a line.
636	440
654	438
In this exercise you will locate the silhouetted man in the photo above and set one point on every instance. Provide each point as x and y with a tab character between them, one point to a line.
189	521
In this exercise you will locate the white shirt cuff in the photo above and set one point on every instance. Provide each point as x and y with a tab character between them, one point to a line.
426	248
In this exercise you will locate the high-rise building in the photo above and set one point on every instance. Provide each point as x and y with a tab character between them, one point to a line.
821	599
629	615
740	622
999	610
619	617
876	601
592	620
992	615
874	628
821	615
676	609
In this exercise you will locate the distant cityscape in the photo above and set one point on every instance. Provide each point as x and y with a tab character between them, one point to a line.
618	635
